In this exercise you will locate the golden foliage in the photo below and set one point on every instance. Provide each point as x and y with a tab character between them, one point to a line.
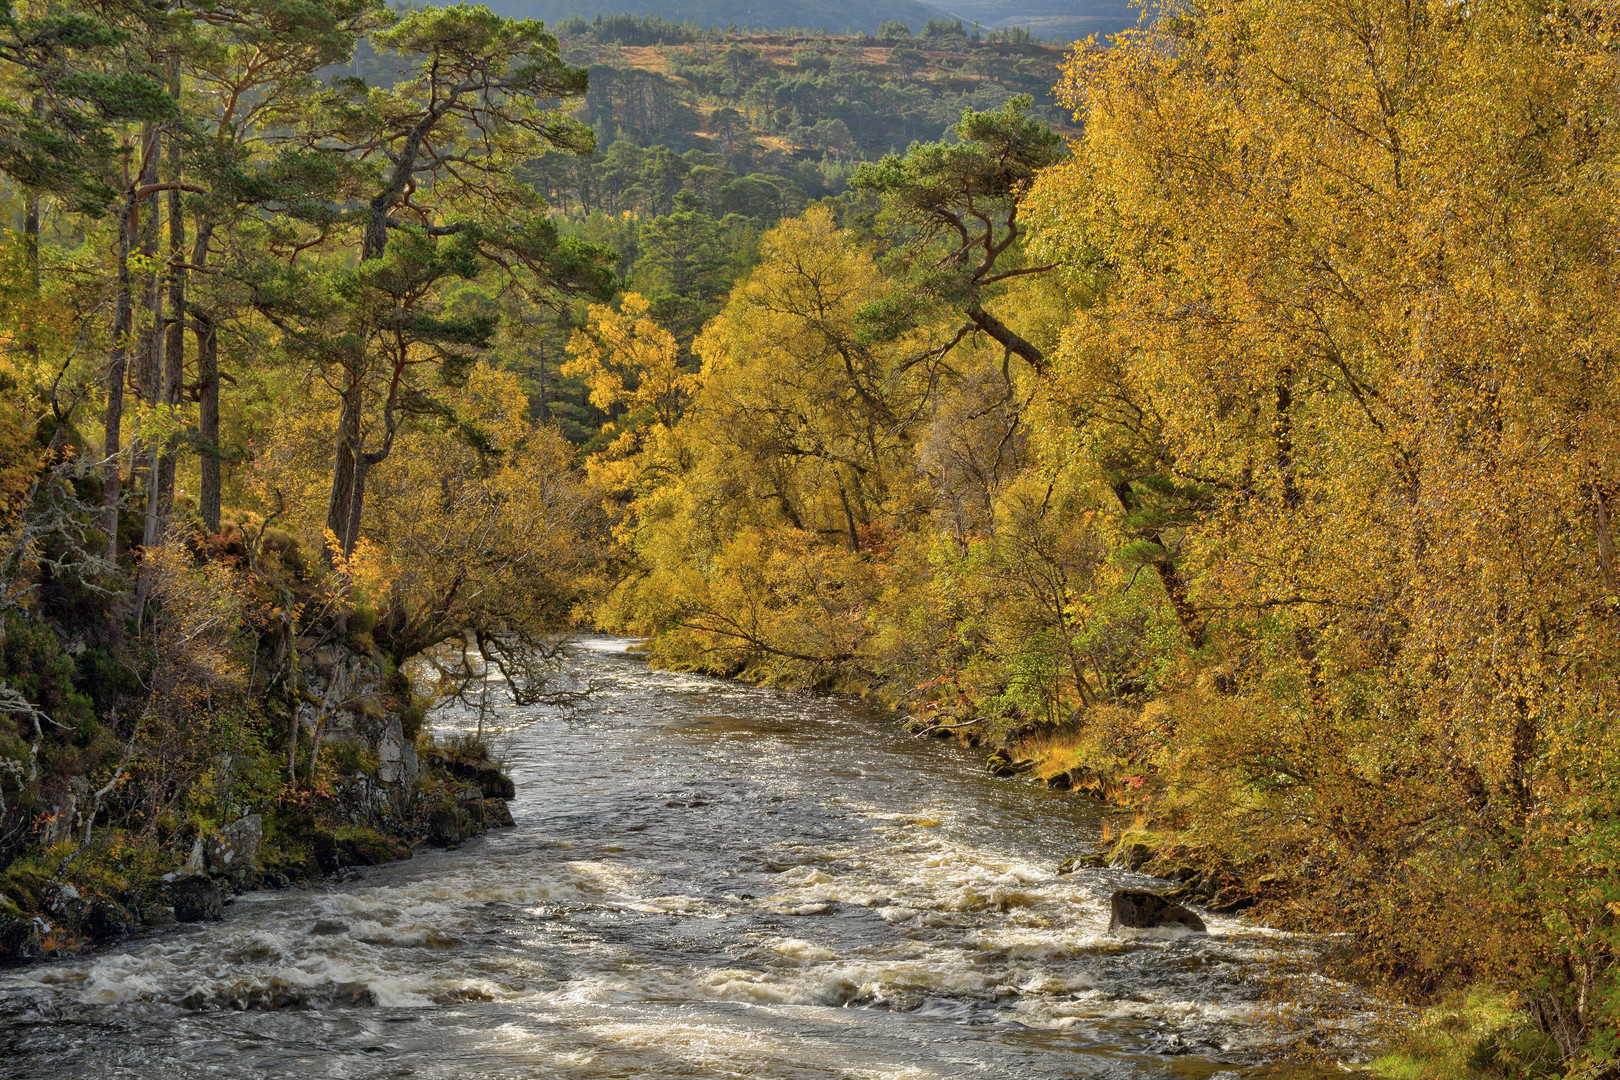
1360	290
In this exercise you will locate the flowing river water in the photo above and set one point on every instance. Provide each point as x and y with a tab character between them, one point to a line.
706	880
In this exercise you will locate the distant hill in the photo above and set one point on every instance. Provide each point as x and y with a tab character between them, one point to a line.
1051	20
834	16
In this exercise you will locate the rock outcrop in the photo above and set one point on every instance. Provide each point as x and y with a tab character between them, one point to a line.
233	852
1135	909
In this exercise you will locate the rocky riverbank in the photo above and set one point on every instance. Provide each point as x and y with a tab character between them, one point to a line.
1140	841
377	788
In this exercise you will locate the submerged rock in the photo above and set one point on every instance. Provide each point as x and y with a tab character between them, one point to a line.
1080	862
1134	909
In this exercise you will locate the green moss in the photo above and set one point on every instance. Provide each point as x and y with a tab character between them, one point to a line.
347	758
368	847
1480	1036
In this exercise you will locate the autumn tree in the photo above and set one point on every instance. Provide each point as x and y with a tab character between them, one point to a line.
1357	295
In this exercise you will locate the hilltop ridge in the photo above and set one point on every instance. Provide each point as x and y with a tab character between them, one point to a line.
1057	21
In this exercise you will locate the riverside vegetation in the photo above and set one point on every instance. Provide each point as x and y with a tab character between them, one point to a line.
1249	458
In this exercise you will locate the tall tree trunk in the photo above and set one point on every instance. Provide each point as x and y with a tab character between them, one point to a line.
206	330
149	350
31	253
341	502
1282	436
148	373
117	369
357	500
174	345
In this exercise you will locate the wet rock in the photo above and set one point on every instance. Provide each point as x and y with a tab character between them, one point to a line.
17	937
356	845
158	915
449	825
1088	782
233	851
1132	856
1080	862
110	919
1230	902
1135	909
472	800
197	898
485	774
328	928
353	993
999	764
498	814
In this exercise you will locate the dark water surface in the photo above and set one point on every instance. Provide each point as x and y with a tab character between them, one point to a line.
706	880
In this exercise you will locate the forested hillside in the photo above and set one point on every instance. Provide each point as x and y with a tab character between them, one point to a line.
837	16
704	140
1252	464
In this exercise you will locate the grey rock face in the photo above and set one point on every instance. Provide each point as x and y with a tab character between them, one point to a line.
234	850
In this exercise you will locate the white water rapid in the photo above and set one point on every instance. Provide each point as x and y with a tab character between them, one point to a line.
706	880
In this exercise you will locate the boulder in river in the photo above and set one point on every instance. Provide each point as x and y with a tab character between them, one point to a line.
1135	909
449	825
1080	862
480	772
496	812
197	898
109	919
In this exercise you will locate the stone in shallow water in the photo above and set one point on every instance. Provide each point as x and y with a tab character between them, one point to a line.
197	898
1133	909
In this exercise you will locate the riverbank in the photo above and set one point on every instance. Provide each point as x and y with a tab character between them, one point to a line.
1461	1034
373	793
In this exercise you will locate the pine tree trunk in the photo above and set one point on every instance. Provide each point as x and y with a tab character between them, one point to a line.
174	347
31	253
206	331
117	369
344	464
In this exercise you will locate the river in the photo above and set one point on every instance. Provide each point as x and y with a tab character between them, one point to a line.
706	880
